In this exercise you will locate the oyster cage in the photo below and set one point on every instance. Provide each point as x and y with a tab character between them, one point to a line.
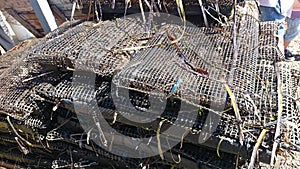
144	84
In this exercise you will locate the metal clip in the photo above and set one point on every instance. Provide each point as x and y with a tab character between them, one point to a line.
82	165
60	164
53	135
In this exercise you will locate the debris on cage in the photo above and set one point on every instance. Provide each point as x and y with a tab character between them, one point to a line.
132	72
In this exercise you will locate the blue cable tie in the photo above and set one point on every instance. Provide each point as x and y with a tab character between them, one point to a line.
176	85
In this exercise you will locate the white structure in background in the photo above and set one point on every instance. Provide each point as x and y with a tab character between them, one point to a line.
44	14
6	26
19	32
6	33
13	30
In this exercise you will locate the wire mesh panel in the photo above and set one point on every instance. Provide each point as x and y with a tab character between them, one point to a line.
288	86
65	50
268	36
16	87
150	75
197	68
16	53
